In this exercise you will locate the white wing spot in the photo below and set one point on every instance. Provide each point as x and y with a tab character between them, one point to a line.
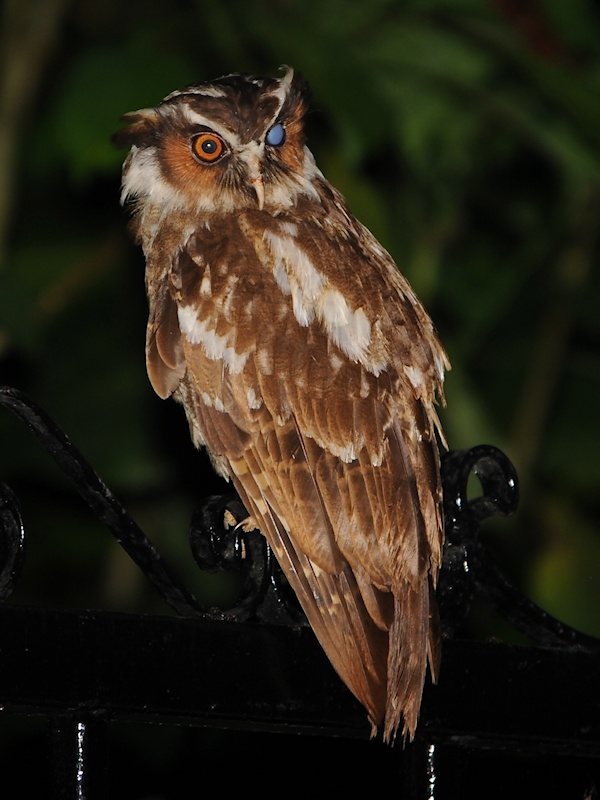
350	330
211	402
205	284
216	347
336	362
253	401
289	228
414	375
264	359
295	275
347	453
313	298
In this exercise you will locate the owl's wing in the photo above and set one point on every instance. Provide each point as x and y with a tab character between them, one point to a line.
338	467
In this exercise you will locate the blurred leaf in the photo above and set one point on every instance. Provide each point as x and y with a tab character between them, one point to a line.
565	578
465	419
34	272
86	115
570	447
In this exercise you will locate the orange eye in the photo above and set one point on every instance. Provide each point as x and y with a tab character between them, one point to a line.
208	147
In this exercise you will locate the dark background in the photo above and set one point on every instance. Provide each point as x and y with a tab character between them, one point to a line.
465	134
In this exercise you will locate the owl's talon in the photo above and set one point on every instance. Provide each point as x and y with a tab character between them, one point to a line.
229	521
247	525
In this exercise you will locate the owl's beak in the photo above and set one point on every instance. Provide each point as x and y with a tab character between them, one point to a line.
259	187
255	178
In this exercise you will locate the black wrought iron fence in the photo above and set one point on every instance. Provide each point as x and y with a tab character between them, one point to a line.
505	720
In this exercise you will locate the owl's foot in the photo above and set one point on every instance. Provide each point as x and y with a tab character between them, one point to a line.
246	525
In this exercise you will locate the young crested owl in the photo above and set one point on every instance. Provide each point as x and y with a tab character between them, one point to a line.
306	366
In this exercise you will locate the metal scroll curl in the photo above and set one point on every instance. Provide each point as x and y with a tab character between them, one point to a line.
220	540
469	569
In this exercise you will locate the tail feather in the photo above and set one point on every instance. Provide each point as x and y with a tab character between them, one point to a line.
409	645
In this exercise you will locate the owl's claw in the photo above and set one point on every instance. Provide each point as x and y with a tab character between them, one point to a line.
229	521
247	525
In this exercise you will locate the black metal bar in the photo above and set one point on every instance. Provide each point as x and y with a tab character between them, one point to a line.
12	541
274	678
78	758
172	670
83	668
418	771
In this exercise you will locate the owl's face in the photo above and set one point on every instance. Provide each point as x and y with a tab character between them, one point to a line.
236	142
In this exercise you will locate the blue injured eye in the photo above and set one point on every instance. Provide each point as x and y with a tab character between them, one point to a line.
276	135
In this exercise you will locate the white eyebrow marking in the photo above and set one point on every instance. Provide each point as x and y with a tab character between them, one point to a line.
206	89
281	91
199	119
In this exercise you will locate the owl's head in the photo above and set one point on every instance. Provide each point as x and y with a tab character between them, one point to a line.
232	143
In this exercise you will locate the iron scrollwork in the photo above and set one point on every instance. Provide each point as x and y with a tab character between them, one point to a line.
219	540
12	541
470	570
98	497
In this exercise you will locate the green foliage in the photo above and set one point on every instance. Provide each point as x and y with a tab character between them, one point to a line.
468	143
84	115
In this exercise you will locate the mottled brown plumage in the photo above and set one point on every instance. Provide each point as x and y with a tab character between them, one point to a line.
306	366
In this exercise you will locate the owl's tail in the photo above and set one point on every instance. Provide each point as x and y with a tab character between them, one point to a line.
413	642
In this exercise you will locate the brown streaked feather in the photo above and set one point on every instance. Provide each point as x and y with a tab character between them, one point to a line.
345	516
327	518
333	524
307	367
333	605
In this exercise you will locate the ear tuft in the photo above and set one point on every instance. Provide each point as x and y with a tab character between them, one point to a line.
141	128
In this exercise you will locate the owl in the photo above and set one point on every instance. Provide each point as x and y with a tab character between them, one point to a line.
306	366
